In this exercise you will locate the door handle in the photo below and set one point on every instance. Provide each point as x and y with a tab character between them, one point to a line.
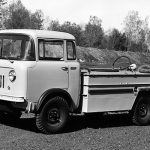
64	68
73	68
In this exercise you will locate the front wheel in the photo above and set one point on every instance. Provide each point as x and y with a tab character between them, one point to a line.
141	114
53	116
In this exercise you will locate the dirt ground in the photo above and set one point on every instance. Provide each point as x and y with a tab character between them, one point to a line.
111	132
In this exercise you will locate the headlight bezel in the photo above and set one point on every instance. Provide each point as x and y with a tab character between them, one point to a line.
12	75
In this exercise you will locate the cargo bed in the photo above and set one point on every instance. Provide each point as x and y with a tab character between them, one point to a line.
110	89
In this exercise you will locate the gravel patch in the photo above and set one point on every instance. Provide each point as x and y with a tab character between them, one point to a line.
111	132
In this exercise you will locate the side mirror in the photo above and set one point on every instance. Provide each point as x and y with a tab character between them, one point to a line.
132	67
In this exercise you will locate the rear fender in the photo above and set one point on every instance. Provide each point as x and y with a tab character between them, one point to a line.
142	93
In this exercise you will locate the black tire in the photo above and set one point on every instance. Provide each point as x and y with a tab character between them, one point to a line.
141	114
53	116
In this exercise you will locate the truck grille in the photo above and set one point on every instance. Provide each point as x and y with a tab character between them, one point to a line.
1	81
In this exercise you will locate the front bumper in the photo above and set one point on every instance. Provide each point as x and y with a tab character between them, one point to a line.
18	103
11	98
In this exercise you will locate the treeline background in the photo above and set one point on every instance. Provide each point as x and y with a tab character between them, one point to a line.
135	35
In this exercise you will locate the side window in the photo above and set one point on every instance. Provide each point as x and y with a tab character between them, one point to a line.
41	49
51	50
71	53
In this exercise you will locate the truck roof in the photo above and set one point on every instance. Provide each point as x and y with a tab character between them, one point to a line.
40	33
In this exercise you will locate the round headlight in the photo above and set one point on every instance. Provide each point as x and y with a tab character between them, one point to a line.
12	76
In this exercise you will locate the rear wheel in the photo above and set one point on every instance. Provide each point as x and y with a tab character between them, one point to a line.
53	116
141	114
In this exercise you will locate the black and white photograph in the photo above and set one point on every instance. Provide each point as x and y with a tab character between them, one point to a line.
74	75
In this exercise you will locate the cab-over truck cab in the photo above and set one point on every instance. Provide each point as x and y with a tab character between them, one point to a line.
38	69
40	74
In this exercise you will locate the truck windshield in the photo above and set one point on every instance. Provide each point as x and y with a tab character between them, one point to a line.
16	47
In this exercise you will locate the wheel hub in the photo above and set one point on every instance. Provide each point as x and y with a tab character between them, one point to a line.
143	110
53	116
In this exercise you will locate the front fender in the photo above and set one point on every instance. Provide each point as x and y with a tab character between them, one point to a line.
47	95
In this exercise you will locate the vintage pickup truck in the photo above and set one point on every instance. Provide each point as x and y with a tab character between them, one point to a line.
40	74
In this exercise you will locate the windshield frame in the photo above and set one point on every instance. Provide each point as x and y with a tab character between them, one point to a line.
21	36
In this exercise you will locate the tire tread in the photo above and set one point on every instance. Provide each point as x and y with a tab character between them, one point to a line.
39	122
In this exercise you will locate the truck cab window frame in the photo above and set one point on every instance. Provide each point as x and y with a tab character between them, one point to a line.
17	47
51	49
71	51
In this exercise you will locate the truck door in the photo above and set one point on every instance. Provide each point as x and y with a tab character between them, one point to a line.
51	71
74	71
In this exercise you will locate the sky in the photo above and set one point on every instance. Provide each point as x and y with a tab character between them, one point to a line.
111	12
